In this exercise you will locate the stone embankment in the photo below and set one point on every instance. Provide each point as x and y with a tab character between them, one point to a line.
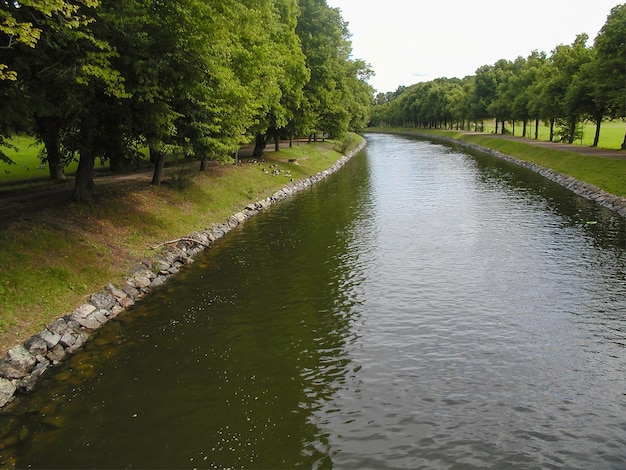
23	364
586	190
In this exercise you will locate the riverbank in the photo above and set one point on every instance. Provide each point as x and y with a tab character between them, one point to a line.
120	242
592	173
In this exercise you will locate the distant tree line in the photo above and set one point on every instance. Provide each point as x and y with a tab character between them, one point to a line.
105	78
574	83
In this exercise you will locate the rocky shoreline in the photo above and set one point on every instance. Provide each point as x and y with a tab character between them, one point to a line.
586	190
22	365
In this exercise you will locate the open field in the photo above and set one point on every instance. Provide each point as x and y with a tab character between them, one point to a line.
611	133
54	258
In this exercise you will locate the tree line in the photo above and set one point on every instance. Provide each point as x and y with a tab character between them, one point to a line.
106	78
574	83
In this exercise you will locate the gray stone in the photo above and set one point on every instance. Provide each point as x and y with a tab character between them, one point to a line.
7	390
20	358
56	354
141	282
36	345
90	321
101	316
83	311
69	338
119	294
58	326
102	301
124	303
158	281
51	339
130	290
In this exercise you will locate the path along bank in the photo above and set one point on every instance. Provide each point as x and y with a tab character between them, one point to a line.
22	365
588	191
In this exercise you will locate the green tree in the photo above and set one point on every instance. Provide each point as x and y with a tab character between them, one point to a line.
23	22
609	92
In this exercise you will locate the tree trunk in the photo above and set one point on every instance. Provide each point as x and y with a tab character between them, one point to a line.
572	132
53	150
259	145
48	134
203	164
276	144
596	137
159	162
497	124
503	130
624	142
551	129
524	123
536	129
83	183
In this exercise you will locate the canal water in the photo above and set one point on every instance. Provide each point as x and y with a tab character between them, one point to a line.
421	308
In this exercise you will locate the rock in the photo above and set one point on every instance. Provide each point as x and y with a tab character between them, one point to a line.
69	338
89	321
7	390
102	301
36	345
142	282
119	294
58	326
83	311
51	339
158	281
101	316
56	354
124	303
130	290
20	358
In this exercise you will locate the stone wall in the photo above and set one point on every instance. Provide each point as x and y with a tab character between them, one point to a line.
23	364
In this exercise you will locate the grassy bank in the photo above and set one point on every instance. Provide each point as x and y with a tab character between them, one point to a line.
608	174
54	258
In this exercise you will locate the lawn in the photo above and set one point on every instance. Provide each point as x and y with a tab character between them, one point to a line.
611	132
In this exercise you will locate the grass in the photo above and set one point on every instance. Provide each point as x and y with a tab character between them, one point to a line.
611	133
54	258
27	169
608	174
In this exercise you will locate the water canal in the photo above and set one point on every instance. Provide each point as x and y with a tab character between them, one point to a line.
421	308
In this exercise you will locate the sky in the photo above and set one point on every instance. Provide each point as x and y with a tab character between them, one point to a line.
411	41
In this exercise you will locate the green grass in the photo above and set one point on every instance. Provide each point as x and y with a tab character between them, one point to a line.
54	258
611	133
608	174
27	169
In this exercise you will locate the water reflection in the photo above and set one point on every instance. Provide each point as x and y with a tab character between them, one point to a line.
423	308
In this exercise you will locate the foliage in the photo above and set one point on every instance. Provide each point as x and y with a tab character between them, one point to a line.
185	76
573	84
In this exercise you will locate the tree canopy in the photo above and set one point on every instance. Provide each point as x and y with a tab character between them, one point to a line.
576	82
104	78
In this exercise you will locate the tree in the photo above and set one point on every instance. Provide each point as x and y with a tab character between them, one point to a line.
609	73
17	27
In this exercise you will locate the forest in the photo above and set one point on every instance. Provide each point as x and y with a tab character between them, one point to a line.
575	83
110	79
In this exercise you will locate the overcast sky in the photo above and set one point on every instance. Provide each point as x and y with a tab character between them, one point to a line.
410	41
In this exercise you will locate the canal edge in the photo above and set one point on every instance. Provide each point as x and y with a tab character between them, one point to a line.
580	188
22	365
